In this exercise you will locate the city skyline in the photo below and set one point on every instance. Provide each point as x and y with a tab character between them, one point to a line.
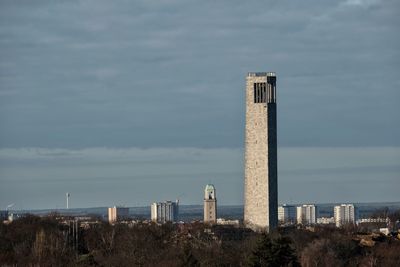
106	101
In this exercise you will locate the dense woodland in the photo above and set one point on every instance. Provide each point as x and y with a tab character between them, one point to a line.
48	241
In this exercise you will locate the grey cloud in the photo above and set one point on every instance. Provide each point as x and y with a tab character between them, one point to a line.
330	58
145	74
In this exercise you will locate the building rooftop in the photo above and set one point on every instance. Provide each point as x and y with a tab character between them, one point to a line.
261	74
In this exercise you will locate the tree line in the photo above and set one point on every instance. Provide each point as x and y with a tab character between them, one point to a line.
48	241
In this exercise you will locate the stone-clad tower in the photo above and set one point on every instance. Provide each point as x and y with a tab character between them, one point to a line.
210	204
260	181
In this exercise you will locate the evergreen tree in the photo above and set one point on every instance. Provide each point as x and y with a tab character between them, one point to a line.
273	252
187	257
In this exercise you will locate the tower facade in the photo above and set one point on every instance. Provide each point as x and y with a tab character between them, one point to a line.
261	169
210	204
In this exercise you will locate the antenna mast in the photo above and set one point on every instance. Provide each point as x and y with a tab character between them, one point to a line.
67	195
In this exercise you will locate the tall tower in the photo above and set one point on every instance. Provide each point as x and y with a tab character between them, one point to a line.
210	204
261	172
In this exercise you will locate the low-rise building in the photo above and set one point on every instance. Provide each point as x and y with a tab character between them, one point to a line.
373	220
384	231
221	221
326	220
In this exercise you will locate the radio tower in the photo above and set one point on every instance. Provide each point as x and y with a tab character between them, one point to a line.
67	195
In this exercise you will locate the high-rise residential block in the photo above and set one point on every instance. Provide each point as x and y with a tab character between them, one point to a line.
3	215
344	214
307	214
117	214
287	214
210	204
260	181
167	211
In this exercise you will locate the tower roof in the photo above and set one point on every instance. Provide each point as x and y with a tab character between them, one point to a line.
209	187
209	192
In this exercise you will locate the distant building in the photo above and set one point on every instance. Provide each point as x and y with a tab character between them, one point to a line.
373	220
307	214
12	217
210	204
344	214
221	221
326	220
116	214
287	214
384	231
3	215
167	211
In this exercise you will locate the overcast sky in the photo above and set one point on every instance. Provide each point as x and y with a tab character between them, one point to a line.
130	102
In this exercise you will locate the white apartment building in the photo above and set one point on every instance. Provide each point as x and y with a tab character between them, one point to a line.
287	214
344	214
117	213
307	214
167	211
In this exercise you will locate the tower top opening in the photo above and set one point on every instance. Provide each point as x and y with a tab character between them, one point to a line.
261	74
209	192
